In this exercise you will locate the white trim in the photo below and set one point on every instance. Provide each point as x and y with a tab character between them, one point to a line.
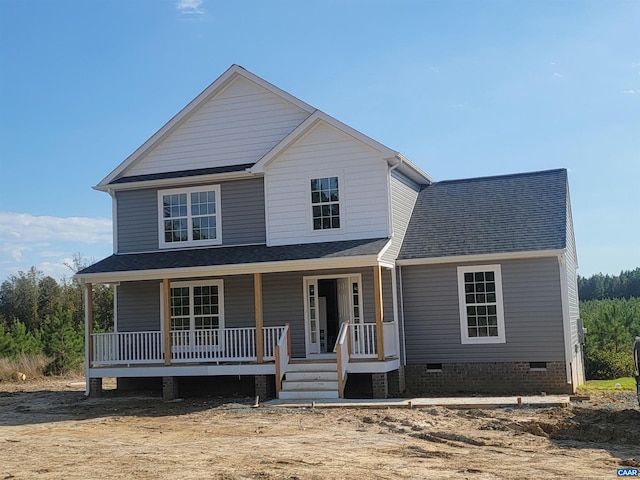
188	191
394	297
385	366
236	269
566	316
464	333
315	278
114	221
115	308
87	363
404	338
184	370
215	88
382	252
176	181
486	257
341	205
199	283
311	121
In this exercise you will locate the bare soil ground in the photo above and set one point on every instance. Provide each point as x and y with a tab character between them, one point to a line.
48	430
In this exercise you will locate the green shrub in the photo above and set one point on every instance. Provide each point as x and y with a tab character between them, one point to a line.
606	364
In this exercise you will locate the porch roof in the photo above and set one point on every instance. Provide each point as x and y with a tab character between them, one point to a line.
235	260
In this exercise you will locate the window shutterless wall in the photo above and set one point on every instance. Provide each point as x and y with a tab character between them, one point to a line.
243	220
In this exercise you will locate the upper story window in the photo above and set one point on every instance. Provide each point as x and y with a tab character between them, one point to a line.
481	306
189	216
325	203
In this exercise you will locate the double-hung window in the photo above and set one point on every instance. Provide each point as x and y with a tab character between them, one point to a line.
189	216
197	307
325	203
481	306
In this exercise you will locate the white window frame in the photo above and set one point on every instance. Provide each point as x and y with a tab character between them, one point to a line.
190	242
196	283
497	271
341	202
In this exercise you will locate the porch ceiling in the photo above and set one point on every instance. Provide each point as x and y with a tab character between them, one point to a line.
234	260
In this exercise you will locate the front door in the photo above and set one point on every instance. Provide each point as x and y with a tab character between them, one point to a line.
330	301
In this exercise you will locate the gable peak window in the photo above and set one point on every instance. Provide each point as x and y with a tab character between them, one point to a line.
189	216
325	203
481	305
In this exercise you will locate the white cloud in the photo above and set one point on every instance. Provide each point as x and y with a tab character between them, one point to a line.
557	75
190	7
24	228
630	92
48	242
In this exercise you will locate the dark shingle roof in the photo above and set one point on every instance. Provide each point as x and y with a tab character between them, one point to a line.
183	173
504	214
218	256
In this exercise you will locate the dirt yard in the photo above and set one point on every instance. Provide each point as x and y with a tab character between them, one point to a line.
48	430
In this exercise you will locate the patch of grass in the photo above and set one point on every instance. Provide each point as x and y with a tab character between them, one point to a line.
32	366
593	386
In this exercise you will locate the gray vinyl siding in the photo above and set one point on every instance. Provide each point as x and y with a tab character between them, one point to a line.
139	306
137	220
242	205
243	212
404	193
532	309
239	306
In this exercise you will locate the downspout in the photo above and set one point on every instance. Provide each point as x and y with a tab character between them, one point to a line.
404	342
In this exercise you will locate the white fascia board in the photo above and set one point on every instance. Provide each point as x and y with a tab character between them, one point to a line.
236	269
176	181
216	87
308	124
411	170
179	370
481	258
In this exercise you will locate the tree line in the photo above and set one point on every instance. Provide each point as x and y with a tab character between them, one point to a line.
601	287
610	309
42	316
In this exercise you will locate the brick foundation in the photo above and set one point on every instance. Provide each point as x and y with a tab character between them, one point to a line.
487	378
380	384
169	388
95	387
397	384
261	386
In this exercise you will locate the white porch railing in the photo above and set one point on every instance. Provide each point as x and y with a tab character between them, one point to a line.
127	348
342	351
364	340
213	345
282	356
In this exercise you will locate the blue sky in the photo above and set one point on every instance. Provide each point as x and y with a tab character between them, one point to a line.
462	88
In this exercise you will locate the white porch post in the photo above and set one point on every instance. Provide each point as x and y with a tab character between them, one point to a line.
88	330
379	308
166	320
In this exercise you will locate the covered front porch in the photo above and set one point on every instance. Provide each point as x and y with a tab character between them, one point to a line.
263	322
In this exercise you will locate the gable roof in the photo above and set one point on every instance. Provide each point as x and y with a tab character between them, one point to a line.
217	86
117	178
489	215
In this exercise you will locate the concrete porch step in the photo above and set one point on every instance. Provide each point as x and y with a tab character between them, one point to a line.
288	385
307	394
313	375
325	366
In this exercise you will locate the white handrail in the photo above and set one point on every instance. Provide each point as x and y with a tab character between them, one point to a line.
342	351
282	356
364	340
270	339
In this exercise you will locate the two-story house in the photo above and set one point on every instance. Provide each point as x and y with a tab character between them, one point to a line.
255	235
